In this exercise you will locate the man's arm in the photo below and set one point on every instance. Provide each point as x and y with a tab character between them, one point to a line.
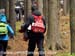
44	23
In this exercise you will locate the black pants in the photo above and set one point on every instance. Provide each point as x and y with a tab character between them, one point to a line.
4	46
36	39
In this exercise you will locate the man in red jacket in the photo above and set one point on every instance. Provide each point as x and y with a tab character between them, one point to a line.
34	38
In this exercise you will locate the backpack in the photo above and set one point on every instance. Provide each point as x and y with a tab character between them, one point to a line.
3	29
38	25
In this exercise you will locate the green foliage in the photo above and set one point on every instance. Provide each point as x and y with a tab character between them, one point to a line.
73	54
65	54
18	26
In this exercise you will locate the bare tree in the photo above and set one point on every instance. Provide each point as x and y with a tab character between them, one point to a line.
27	8
40	5
12	14
7	9
53	40
66	7
2	5
45	9
72	25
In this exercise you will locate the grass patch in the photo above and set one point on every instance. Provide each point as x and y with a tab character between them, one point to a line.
18	26
65	54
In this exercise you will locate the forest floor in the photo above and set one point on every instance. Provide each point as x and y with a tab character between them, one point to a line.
18	47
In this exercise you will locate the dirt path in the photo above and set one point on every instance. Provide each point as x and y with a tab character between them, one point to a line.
18	47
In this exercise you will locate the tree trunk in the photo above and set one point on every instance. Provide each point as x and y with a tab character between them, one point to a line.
66	7
12	14
27	8
72	25
40	6
45	12
45	9
7	9
2	5
53	40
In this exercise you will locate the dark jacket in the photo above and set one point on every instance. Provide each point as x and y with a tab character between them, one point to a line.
30	19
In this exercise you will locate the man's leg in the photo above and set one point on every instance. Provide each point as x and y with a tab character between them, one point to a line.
5	43
31	47
40	47
4	46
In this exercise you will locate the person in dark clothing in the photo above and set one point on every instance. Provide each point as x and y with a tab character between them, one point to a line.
34	38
